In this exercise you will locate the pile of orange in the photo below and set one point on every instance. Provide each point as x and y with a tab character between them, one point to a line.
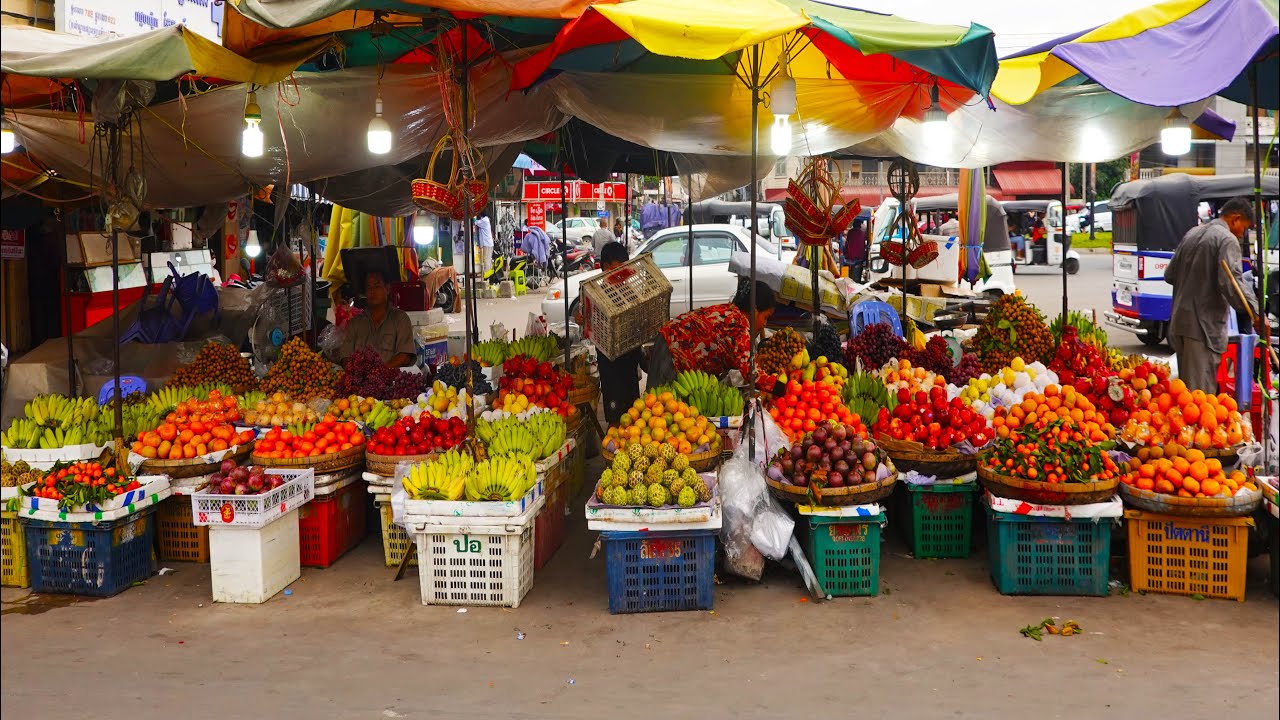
194	428
1187	417
656	419
1057	403
1177	470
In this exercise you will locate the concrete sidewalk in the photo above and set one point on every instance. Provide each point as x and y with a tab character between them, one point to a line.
350	643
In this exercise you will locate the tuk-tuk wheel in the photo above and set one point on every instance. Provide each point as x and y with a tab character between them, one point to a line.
1071	265
1154	335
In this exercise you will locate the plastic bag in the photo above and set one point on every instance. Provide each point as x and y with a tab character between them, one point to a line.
536	326
751	515
330	340
283	268
769	437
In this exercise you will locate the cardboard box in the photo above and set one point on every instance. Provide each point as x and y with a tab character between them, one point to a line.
930	290
94	249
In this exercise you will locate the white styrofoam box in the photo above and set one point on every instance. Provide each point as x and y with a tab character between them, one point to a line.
870	510
99	278
94	248
946	267
98	516
255	511
477	564
250	565
446	512
150	485
656	519
188	486
180	236
1112	508
8	492
41	459
329	484
556	457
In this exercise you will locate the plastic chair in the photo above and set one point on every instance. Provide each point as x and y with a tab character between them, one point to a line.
517	277
152	319
1235	370
870	312
129	384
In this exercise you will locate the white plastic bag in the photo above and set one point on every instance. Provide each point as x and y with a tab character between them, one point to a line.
537	325
768	436
751	515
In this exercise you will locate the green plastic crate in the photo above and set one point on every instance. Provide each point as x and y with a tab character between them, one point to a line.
1032	555
939	521
845	553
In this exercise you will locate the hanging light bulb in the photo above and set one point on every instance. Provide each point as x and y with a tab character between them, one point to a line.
251	140
252	248
937	131
7	139
1093	144
1175	136
782	102
423	232
379	136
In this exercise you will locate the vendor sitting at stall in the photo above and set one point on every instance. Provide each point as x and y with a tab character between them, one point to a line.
382	327
619	378
713	339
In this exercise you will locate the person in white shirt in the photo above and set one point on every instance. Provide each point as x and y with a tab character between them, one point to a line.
484	240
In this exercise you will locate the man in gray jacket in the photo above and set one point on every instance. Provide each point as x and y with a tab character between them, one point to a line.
1203	294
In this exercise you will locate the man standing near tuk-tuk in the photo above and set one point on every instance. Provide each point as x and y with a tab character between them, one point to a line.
1203	293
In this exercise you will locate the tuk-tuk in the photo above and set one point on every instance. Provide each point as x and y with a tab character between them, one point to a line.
1055	250
1149	218
995	247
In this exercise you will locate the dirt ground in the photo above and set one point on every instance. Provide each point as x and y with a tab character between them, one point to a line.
348	642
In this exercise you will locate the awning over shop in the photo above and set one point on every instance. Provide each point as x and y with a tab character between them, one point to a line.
1019	181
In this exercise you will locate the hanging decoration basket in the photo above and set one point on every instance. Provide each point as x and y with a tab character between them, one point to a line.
436	197
811	198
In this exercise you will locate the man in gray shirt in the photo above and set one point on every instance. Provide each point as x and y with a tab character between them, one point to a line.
601	237
1203	294
386	329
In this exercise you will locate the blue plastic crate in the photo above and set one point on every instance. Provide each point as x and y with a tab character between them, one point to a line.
659	571
85	559
1032	555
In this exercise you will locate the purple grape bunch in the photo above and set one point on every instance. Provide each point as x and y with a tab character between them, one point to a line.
876	345
365	374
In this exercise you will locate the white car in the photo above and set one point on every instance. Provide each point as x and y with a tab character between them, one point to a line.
713	283
580	229
1101	215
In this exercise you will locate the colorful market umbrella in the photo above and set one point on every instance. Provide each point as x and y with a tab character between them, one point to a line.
1164	55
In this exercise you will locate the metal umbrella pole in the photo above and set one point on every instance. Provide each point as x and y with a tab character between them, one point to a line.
1063	259
564	255
113	167
689	221
1260	232
754	82
66	305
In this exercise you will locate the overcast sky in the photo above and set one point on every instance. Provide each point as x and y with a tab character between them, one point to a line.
1017	24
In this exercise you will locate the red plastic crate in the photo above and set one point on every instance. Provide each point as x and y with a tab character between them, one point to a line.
330	526
549	527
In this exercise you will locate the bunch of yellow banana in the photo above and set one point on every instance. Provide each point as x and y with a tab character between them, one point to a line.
442	478
502	478
514	440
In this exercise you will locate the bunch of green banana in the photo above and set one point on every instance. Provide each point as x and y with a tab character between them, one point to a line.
250	400
490	353
549	430
689	381
502	478
514	440
380	416
865	393
442	478
300	429
539	347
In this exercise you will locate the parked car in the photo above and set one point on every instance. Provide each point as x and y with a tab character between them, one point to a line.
713	283
580	229
1101	214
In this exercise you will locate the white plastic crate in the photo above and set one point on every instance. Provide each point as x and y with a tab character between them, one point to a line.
250	565
477	564
255	511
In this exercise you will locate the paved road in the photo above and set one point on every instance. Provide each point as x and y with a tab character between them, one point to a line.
1087	290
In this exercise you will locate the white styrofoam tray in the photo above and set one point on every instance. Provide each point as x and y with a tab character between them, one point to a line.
96	517
660	519
150	485
445	512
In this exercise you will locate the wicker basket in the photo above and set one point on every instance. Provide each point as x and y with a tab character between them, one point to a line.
435	197
336	462
855	494
1243	503
385	465
625	308
700	462
195	467
1046	493
913	456
585	390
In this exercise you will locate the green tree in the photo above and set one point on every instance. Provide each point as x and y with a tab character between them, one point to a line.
1110	174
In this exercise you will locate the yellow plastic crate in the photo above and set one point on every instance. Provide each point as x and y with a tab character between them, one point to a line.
1188	556
395	541
13	552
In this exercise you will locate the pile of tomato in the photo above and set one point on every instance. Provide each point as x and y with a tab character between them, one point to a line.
327	437
82	483
807	403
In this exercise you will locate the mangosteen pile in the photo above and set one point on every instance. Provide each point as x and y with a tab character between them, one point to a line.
832	456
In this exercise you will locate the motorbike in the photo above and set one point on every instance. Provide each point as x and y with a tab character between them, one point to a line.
578	259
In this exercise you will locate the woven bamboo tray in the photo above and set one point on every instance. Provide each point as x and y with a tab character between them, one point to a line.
1046	493
787	492
195	467
855	494
336	462
386	464
700	462
1242	503
914	456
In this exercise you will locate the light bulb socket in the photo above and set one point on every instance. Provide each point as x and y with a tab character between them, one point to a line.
252	113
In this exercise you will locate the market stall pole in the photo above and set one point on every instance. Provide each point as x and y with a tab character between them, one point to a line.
1065	239
66	303
1261	234
689	221
564	254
